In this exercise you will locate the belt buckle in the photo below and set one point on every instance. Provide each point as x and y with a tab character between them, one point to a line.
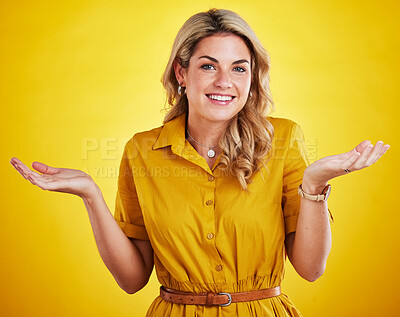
229	299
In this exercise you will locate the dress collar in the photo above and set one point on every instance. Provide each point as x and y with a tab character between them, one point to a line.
173	133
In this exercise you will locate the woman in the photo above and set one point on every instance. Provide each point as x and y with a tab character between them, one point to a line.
221	193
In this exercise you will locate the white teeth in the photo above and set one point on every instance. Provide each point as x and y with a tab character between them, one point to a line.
220	98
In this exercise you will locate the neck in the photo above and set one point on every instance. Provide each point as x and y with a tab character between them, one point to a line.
205	133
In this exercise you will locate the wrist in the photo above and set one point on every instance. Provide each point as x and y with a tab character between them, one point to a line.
311	185
91	192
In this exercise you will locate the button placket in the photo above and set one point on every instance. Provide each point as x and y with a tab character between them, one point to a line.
209	231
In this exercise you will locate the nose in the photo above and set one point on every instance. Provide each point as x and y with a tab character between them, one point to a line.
223	80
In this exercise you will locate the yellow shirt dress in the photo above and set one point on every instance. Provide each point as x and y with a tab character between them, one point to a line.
208	235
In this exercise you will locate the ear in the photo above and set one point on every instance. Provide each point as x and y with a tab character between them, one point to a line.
180	73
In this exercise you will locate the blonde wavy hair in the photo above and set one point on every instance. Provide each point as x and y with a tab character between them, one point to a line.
247	142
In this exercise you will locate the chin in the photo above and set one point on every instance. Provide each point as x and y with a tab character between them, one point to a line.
221	118
223	115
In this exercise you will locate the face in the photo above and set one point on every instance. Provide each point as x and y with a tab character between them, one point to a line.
218	78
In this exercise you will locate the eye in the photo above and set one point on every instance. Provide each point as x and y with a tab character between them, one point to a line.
207	67
239	69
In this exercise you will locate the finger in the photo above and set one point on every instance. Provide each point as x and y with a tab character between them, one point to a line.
42	182
358	149
362	146
352	157
20	167
24	170
375	153
359	163
13	164
19	171
15	160
50	183
35	180
45	169
29	177
383	151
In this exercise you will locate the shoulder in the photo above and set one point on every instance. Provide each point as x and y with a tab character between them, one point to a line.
148	136
143	140
284	127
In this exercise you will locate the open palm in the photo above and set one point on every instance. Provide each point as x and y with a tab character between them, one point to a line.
363	155
63	180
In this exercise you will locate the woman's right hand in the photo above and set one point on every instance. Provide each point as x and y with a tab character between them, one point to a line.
63	180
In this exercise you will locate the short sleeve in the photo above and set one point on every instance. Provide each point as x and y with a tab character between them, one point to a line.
295	163
128	213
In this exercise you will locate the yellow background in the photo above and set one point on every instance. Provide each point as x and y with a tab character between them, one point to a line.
78	78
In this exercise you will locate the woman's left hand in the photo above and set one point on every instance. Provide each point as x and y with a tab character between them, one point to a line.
317	174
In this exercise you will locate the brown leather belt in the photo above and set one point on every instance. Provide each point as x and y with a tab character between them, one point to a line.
215	299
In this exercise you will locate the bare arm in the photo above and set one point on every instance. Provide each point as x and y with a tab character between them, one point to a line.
130	261
309	247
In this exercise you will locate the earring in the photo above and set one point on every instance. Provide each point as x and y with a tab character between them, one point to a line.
180	90
250	95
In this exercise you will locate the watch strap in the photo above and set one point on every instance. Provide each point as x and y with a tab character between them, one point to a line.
320	197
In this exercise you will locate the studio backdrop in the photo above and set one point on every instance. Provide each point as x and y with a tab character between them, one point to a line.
79	78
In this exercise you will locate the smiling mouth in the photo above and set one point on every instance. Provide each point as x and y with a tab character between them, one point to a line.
220	98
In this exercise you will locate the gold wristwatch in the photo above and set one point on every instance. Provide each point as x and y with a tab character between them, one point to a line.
322	197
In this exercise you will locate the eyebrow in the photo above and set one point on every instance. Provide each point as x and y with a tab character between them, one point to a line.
240	61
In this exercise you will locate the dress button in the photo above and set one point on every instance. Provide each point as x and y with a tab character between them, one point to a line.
218	268
210	236
209	202
211	178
